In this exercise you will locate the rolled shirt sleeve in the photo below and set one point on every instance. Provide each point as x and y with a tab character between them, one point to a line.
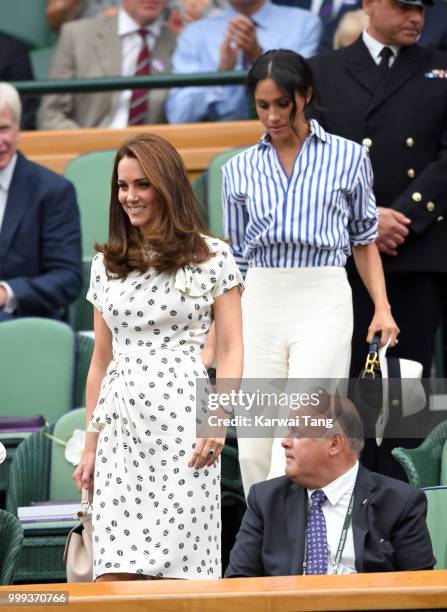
363	213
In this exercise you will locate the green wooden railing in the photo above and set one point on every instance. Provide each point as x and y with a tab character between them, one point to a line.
159	81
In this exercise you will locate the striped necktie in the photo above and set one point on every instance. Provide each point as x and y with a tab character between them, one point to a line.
139	102
317	549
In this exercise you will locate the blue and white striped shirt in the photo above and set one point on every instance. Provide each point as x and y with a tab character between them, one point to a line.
309	219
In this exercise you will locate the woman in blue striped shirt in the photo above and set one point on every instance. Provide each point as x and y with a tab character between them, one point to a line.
295	205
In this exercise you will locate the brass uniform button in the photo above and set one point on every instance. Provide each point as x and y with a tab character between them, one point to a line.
411	173
409	142
430	206
367	142
416	197
440	219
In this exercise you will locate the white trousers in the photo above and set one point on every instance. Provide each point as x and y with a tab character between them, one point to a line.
297	324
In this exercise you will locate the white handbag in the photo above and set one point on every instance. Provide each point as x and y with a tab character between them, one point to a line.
78	553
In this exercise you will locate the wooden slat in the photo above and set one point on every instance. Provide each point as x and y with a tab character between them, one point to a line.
197	143
387	591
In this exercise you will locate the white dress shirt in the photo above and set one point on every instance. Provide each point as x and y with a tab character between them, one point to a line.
338	494
5	182
375	48
131	43
309	219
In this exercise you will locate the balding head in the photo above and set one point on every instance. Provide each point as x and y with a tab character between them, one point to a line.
325	443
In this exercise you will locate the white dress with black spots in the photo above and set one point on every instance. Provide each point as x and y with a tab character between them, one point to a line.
152	514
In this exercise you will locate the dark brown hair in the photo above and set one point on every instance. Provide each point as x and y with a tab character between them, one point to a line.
288	70
174	238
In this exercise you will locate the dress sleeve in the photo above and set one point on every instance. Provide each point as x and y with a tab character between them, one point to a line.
227	273
95	291
363	214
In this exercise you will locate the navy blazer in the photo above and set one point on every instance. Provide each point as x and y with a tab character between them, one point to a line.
388	522
40	241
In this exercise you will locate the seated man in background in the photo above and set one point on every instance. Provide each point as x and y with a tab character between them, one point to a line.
40	236
134	42
329	514
15	65
233	40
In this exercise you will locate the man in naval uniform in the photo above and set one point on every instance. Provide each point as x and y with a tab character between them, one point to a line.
390	94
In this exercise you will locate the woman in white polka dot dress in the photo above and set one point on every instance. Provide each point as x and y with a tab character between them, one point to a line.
156	286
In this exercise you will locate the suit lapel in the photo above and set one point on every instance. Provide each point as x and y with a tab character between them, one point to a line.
296	520
405	66
107	47
107	52
361	66
363	490
163	50
19	198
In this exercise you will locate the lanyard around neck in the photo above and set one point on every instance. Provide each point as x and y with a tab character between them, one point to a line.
341	542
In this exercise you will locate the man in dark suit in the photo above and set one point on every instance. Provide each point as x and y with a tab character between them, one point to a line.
16	66
328	514
40	236
390	94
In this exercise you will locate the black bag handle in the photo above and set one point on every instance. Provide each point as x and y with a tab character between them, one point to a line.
372	364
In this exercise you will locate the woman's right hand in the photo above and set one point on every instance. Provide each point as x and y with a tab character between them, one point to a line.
83	474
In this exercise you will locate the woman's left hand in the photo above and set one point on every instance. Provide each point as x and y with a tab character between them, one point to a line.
384	322
206	452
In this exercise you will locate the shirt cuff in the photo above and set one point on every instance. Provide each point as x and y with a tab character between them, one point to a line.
11	304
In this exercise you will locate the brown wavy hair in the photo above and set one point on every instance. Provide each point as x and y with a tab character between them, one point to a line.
175	236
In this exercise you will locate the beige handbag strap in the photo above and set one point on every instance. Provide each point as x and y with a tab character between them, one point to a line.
86	501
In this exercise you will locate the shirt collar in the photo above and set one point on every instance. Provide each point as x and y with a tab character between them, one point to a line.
126	25
6	174
316	131
375	47
335	490
262	17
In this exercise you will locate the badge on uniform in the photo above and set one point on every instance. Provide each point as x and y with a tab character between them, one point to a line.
436	73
